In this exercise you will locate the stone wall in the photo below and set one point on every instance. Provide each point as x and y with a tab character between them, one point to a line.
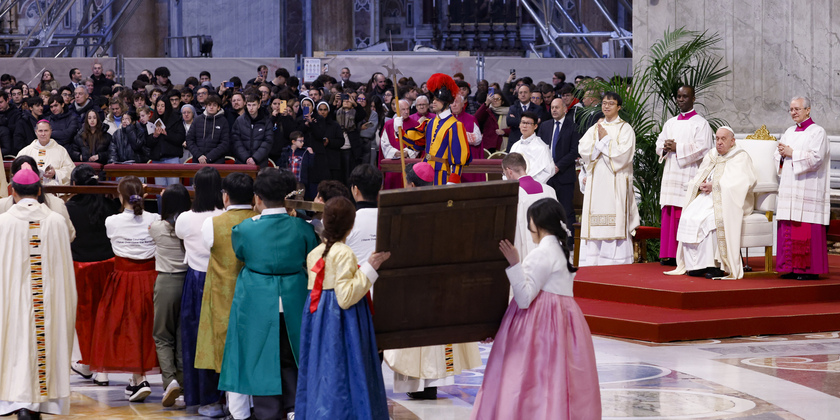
776	49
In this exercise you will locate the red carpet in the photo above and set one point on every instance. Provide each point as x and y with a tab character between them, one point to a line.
638	301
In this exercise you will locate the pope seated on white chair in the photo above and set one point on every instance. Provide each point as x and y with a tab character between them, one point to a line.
719	197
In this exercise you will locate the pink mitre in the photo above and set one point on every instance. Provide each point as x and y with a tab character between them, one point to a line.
25	176
424	171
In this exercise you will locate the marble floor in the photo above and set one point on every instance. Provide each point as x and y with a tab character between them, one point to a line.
757	378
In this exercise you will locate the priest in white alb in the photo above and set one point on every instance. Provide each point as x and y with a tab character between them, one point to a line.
38	290
52	158
536	152
610	214
719	197
530	191
684	141
803	204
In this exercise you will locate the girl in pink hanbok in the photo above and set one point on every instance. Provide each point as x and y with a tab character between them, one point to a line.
542	365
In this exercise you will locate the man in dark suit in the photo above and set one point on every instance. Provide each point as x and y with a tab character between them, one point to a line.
521	106
562	136
345	82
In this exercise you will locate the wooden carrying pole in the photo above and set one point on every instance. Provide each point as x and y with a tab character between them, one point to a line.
400	134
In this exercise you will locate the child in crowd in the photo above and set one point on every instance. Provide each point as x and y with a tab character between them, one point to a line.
263	335
340	371
298	159
122	334
542	365
171	268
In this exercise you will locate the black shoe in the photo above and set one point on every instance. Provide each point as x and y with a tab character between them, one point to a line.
426	394
24	414
807	277
670	262
139	392
697	273
713	272
789	276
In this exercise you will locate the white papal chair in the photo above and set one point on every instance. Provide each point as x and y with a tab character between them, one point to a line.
757	228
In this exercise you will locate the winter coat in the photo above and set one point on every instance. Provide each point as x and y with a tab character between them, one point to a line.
282	126
81	112
306	164
167	145
82	153
252	138
24	133
8	123
64	128
326	156
129	144
209	136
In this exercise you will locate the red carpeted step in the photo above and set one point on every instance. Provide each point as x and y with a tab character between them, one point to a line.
645	284
659	324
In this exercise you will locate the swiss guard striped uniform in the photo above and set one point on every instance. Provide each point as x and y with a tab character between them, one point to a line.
445	142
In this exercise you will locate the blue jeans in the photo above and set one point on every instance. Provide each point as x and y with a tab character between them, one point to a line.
169	180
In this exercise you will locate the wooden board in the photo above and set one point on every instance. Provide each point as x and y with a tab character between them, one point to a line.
445	281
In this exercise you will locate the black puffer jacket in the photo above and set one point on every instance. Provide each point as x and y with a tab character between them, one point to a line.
82	153
129	144
252	138
8	123
209	136
24	133
64	128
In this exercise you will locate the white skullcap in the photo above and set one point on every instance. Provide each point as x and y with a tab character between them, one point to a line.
727	128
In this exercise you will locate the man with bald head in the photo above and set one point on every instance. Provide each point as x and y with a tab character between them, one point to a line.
562	136
803	205
718	198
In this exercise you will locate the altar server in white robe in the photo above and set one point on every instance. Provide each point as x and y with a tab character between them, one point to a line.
720	195
610	214
804	204
530	191
536	152
684	141
53	159
38	289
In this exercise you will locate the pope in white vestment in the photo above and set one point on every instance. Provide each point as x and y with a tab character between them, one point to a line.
610	214
720	195
38	289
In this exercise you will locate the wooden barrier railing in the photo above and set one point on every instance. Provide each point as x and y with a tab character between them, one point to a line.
477	166
161	170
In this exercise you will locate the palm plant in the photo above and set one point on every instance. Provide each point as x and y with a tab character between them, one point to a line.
681	57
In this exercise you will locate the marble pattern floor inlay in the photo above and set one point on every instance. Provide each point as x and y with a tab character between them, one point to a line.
757	378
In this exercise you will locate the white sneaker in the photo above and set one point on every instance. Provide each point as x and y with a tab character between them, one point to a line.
173	391
101	379
290	416
214	410
82	370
179	403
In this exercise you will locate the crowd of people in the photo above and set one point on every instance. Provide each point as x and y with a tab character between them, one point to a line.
253	310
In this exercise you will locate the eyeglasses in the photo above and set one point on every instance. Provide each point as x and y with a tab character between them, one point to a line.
361	99
798	109
526	123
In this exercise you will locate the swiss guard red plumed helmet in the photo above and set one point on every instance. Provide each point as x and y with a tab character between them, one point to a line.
442	87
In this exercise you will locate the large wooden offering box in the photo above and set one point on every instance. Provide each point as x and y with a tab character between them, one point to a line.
445	281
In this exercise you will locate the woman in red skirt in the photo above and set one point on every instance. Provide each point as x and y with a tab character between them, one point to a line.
93	261
123	340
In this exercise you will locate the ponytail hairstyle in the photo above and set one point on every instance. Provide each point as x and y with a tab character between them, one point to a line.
96	205
131	191
338	219
547	214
